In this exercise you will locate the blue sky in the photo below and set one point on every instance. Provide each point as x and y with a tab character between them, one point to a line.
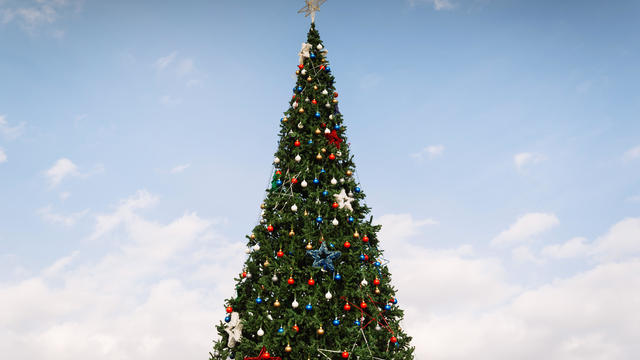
498	140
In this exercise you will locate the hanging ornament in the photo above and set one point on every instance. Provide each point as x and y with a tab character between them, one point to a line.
249	275
318	132
378	328
290	281
320	331
349	173
347	307
309	307
303	72
347	245
309	246
319	156
335	222
288	348
325	92
304	183
234	329
327	131
315	87
276	160
294	181
300	126
332	157
280	330
297	143
266	262
338	276
363	305
295	304
229	309
365	239
296	328
327	105
335	205
252	236
377	291
328	295
336	322
356	235
345	354
311	282
301	110
276	303
274	278
364	282
309	79
260	332
319	47
393	340
376	282
280	253
294	208
334	181
314	102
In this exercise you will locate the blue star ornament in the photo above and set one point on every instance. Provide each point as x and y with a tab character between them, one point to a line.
324	258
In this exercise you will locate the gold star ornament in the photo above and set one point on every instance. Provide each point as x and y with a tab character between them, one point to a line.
311	7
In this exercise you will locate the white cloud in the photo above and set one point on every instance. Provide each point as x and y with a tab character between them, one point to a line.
62	169
180	168
632	153
526	227
3	156
521	160
185	67
10	132
64	195
165	61
523	254
437	4
575	247
153	294
431	151
621	241
33	14
51	217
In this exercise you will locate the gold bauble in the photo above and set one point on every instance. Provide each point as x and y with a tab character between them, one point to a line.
306	213
297	72
323	150
252	236
292	233
318	132
266	262
262	206
284	119
323	60
335	101
309	246
356	235
377	291
301	110
315	87
309	78
319	157
288	348
349	172
276	303
320	331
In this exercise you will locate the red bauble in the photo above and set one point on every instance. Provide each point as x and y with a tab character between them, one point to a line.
345	355
314	101
393	339
366	257
291	281
332	157
293	97
294	181
323	125
270	228
280	253
365	238
300	66
244	274
363	305
297	143
296	328
335	205
322	67
311	282
347	244
347	307
335	94
229	309
266	355
278	172
376	282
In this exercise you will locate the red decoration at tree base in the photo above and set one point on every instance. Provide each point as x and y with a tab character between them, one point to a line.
263	355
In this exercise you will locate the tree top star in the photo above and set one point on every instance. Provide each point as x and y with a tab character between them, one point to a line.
311	7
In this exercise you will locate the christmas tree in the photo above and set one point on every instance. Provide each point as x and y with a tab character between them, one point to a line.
315	284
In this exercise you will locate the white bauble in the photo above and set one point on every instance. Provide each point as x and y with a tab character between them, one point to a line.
294	208
364	282
325	92
276	160
378	328
304	183
338	153
334	181
335	222
319	47
270	317
295	104
331	117
295	304
274	278
249	275
297	158
328	295
300	126
256	247
263	221
327	131
307	99
350	194
247	251
327	105
260	332
342	181
304	71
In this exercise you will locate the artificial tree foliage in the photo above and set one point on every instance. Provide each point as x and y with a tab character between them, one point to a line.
314	199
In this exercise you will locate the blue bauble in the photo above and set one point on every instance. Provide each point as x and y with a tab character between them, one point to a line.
327	68
299	89
278	182
227	319
319	219
377	263
338	277
351	219
322	171
387	307
356	323
357	189
316	181
362	257
325	193
310	141
295	89
232	356
318	114
395	300
331	246
308	307
258	300
336	322
281	330
312	55
337	127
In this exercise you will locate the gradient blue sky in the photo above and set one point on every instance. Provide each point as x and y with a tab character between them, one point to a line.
503	130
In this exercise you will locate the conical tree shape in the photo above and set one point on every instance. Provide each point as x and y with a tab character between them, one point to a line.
315	284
